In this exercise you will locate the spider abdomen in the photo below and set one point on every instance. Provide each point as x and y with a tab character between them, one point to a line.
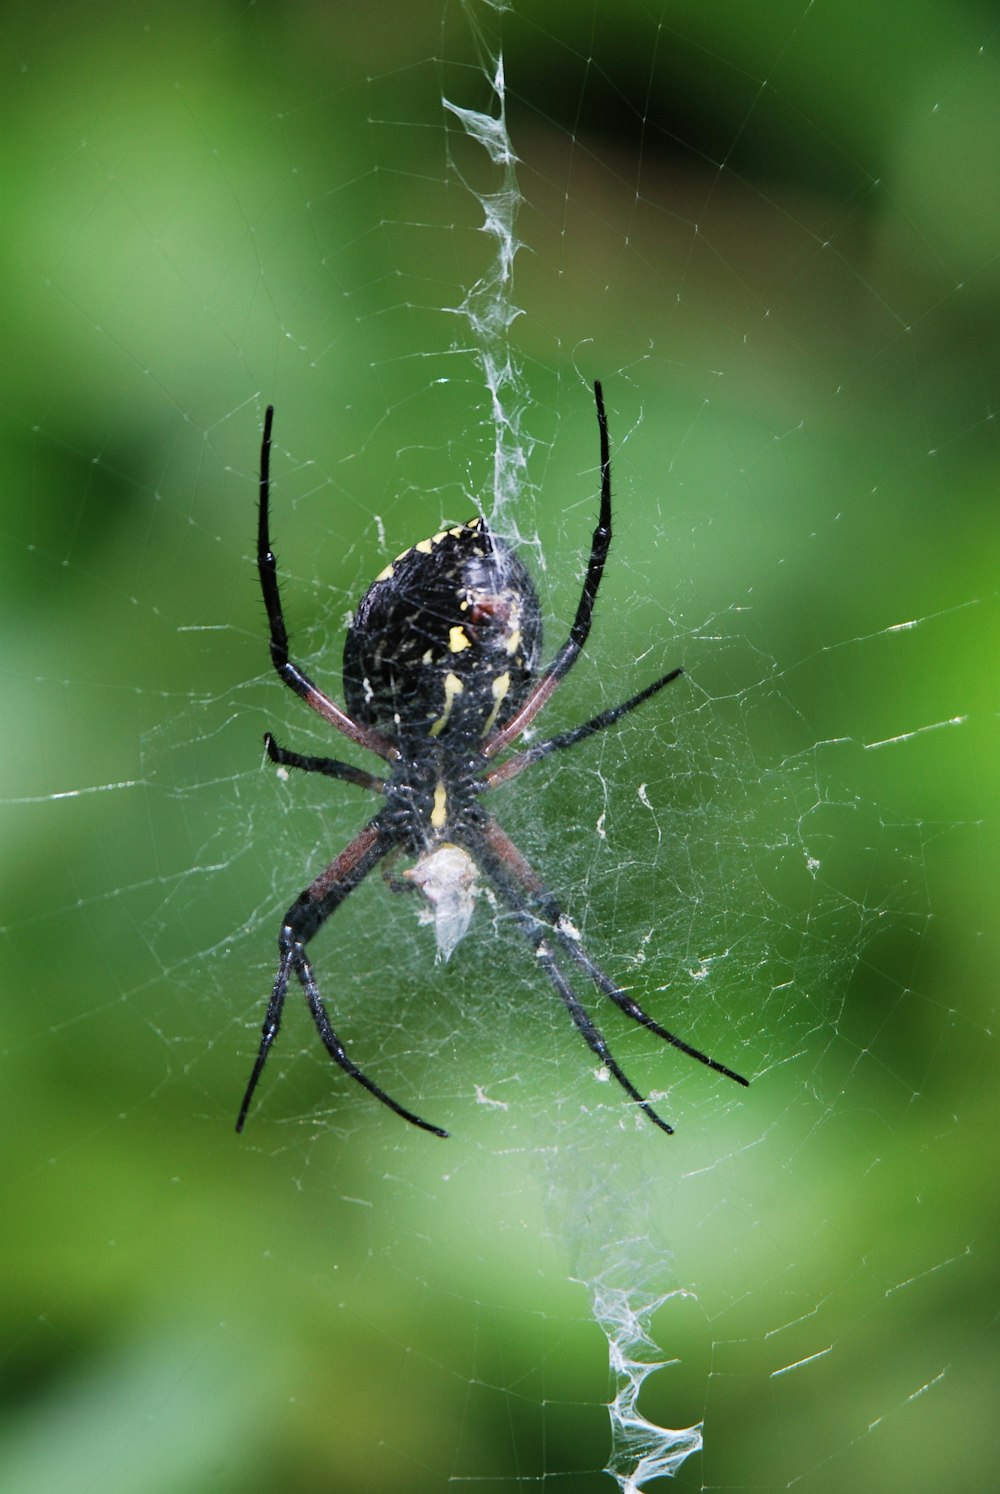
445	641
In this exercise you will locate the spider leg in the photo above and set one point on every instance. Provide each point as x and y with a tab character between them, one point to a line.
512	865
520	887
392	880
306	915
294	677
584	1024
515	765
285	758
571	944
570	650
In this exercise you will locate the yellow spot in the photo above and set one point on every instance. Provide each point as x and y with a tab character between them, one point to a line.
439	814
428	657
457	640
425	547
500	686
457	532
387	574
437	538
452	689
514	641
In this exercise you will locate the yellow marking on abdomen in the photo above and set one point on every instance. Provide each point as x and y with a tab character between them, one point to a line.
453	687
499	687
458	639
439	814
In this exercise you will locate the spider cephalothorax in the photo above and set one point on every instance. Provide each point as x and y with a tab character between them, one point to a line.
440	677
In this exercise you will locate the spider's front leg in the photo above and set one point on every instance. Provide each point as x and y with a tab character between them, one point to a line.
306	915
582	1021
539	916
545	924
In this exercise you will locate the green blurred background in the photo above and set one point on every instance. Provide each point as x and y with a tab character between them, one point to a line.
773	233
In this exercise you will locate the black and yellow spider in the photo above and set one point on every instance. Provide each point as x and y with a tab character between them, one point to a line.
440	677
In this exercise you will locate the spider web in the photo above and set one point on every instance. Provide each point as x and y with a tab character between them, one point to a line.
774	239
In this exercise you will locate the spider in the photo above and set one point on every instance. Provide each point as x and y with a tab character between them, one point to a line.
440	677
